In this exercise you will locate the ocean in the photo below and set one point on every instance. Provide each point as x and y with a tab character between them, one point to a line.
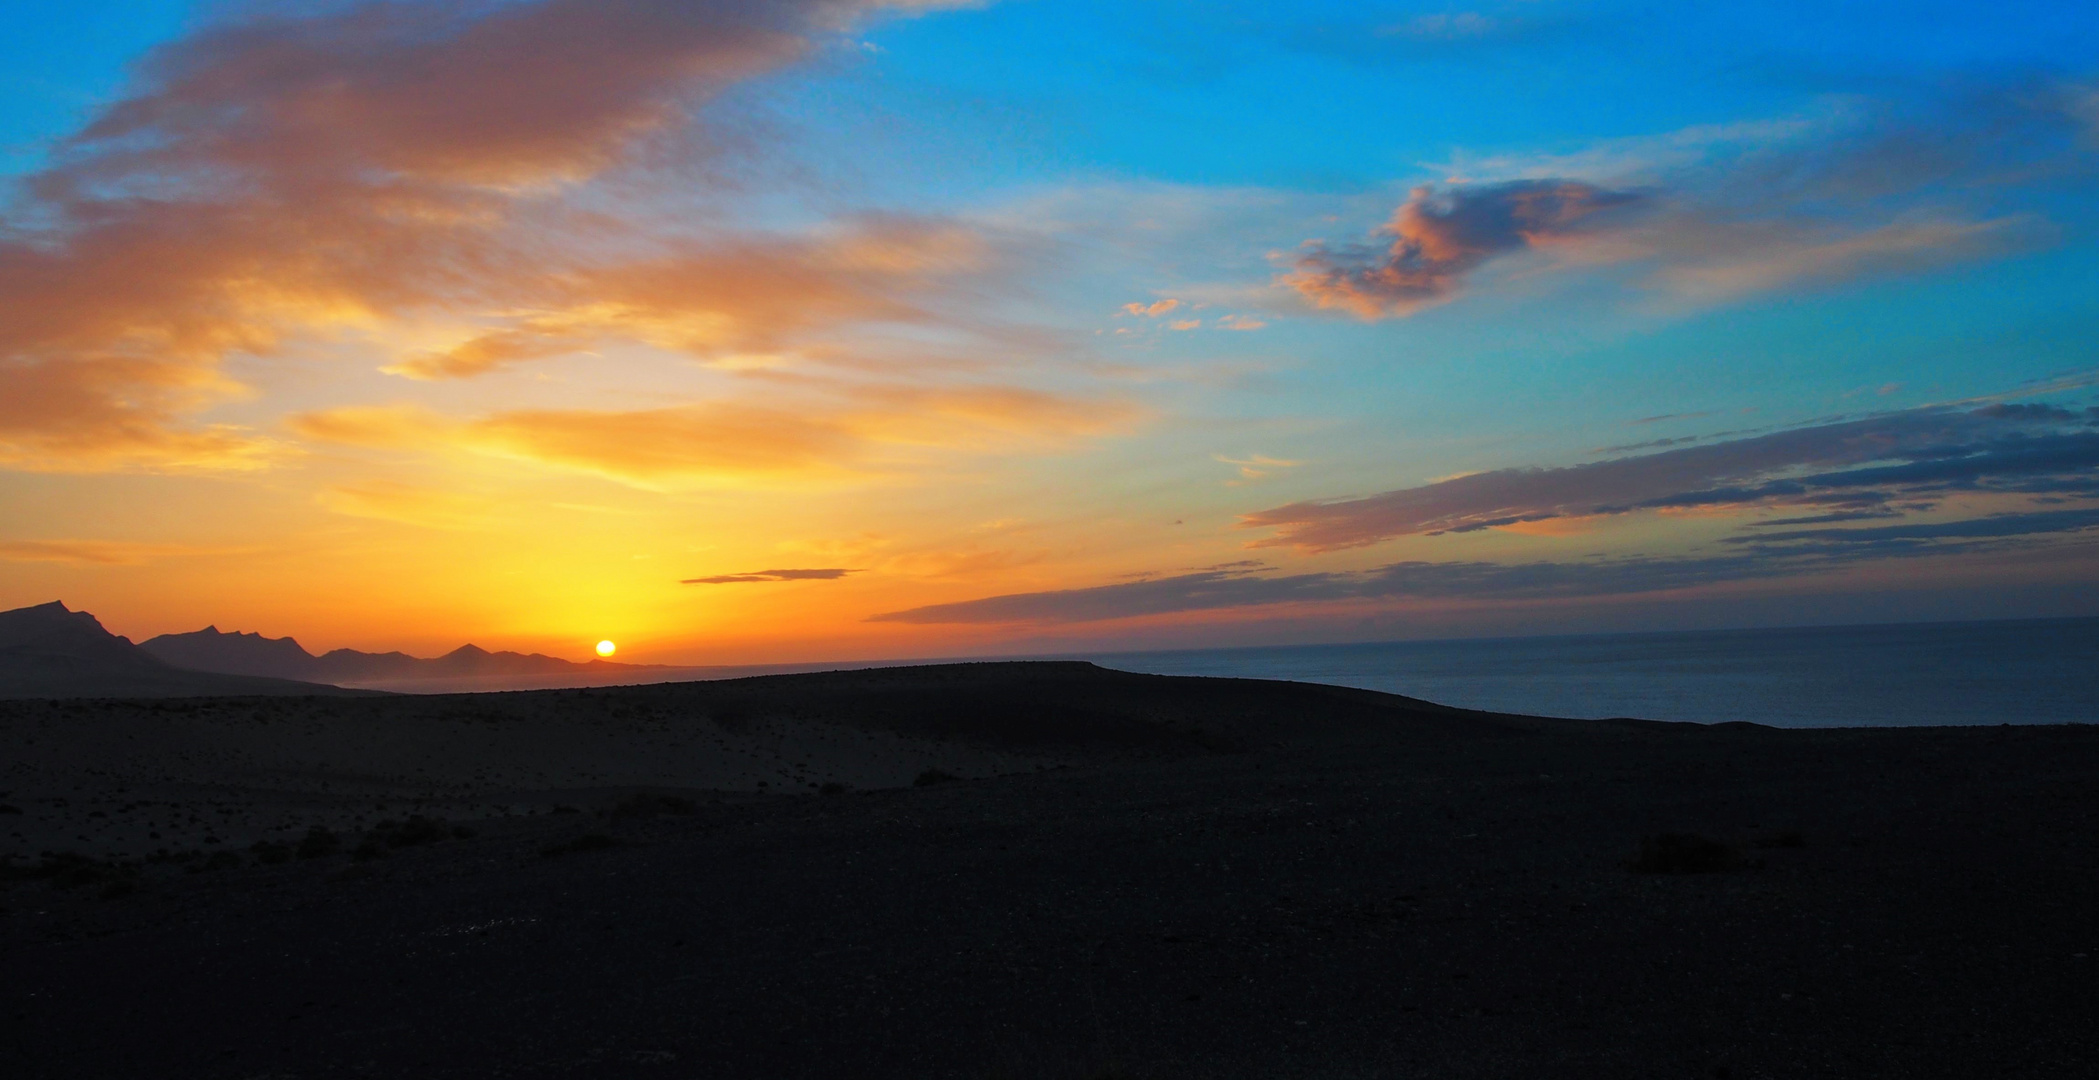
2037	671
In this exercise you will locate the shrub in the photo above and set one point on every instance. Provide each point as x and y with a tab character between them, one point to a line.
586	842
933	776
646	805
70	870
1684	853
833	787
219	860
319	842
271	853
415	831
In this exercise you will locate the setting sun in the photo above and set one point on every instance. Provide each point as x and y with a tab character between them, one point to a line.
606	648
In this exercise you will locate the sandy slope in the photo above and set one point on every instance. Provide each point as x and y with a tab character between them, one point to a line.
125	779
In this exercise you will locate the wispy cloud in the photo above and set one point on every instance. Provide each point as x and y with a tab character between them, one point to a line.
759	576
2032	449
1258	466
407	504
728	441
95	552
1762	557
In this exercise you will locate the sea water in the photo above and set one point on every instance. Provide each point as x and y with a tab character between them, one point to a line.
2039	671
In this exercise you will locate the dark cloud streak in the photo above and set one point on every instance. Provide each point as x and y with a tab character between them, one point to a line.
1853	464
1764	556
830	573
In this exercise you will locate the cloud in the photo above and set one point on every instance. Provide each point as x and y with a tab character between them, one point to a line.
1438	237
1257	466
1992	526
1708	261
1863	189
93	552
823	574
1240	322
734	441
1863	463
1152	310
1244	586
1226	588
1445	26
283	178
407	504
725	296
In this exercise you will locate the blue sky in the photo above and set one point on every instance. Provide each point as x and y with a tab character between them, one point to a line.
1029	299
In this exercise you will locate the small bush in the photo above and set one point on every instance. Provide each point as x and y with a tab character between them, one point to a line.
833	787
366	850
219	860
271	853
586	842
70	870
933	776
319	843
1791	838
416	831
1684	853
645	805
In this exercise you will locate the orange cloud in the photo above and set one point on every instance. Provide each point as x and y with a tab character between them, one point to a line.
1439	237
1558	526
730	297
408	504
277	178
1152	310
729	442
91	552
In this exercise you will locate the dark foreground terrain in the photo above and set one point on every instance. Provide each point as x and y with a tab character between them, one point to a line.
1165	878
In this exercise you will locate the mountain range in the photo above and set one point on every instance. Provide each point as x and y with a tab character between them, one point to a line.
49	651
213	650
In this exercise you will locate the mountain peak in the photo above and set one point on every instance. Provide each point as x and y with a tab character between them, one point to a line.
212	649
49	624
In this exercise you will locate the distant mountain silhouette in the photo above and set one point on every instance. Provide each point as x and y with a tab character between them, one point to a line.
50	651
213	650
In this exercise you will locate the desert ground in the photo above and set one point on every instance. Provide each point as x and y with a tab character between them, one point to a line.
1031	870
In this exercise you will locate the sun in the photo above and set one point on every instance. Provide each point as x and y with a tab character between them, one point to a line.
606	648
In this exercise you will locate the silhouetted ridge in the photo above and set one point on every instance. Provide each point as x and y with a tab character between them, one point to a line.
210	649
50	651
50	630
213	650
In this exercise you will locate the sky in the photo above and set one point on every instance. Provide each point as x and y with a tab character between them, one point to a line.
744	331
